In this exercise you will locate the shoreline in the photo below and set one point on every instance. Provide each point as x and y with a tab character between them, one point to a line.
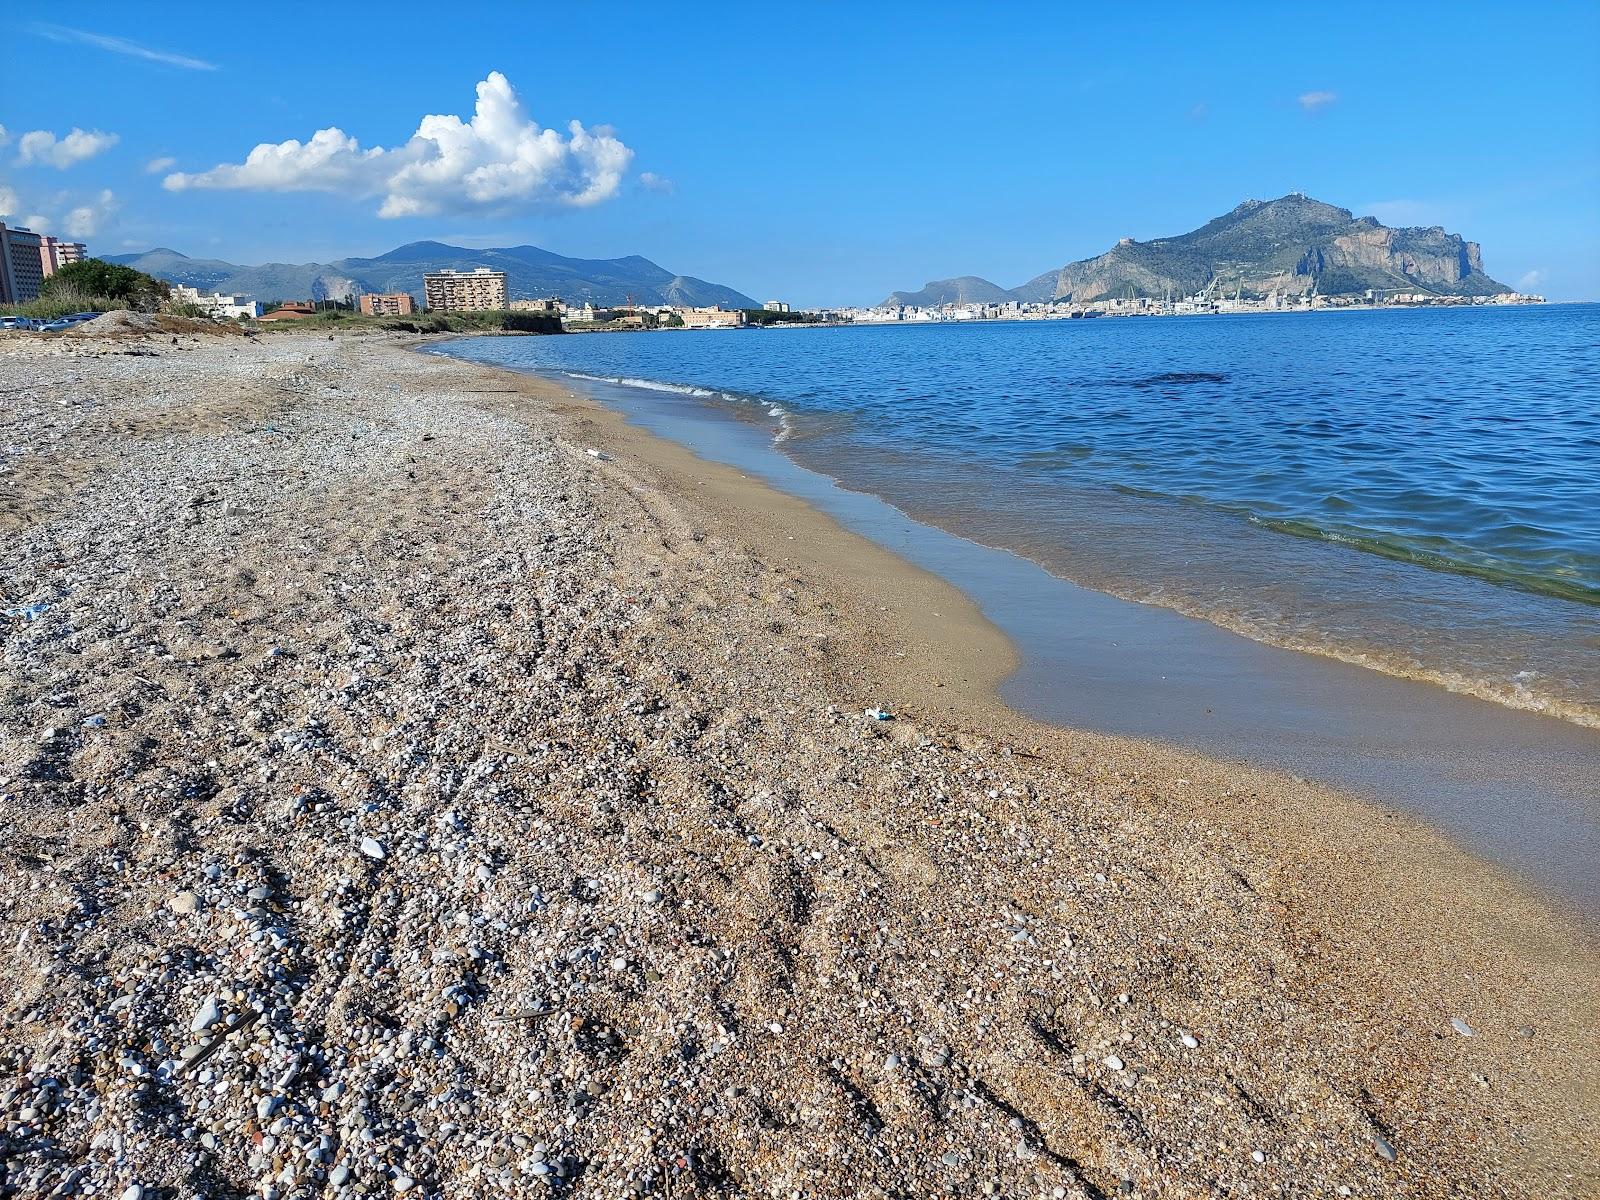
687	630
1367	607
1404	864
1509	785
936	621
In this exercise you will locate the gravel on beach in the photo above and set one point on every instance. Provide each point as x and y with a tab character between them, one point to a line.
397	798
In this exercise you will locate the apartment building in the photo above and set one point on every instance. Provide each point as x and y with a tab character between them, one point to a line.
221	305
464	291
21	264
710	317
55	253
387	304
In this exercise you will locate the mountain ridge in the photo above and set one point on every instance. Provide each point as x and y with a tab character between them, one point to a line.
531	273
1292	245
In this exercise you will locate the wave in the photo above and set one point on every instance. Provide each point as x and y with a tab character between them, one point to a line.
652	385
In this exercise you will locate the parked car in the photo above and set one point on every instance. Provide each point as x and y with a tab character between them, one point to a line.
68	321
18	323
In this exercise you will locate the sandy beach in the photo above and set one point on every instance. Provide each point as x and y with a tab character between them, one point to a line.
415	780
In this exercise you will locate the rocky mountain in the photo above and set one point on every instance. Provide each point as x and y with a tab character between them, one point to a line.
531	273
1291	245
966	289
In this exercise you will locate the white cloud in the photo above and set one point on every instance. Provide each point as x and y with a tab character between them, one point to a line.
42	147
116	45
1317	101
657	183
157	165
1531	279
84	221
4	136
500	161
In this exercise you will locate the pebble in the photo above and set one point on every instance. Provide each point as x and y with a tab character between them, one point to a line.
374	849
404	1183
1190	1041
184	903
207	1015
1382	1146
1460	1026
1112	1061
134	1191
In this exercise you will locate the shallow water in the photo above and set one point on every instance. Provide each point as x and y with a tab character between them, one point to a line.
1412	491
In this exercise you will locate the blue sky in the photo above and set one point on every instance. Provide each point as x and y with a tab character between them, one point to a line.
818	152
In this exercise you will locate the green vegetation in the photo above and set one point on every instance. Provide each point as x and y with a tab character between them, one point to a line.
487	321
93	285
762	316
94	277
60	306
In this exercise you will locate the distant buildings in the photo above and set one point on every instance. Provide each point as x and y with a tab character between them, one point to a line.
463	291
709	318
552	307
27	259
388	304
775	306
291	310
1202	303
217	304
55	253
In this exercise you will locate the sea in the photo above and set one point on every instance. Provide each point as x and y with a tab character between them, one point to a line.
1398	509
1416	491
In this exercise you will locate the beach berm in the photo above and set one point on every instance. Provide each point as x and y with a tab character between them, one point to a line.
414	780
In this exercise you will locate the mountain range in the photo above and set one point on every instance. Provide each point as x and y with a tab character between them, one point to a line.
531	273
1291	245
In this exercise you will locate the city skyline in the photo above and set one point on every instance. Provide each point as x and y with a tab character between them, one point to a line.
828	165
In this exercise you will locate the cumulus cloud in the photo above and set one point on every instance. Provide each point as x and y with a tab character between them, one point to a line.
1317	101
499	161
43	147
1531	279
157	165
84	220
657	183
4	136
116	45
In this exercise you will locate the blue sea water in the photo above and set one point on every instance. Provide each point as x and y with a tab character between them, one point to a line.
1416	491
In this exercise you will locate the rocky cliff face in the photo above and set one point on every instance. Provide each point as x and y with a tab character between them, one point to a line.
1292	245
1429	256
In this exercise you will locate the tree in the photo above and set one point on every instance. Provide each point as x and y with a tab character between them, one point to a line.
94	277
